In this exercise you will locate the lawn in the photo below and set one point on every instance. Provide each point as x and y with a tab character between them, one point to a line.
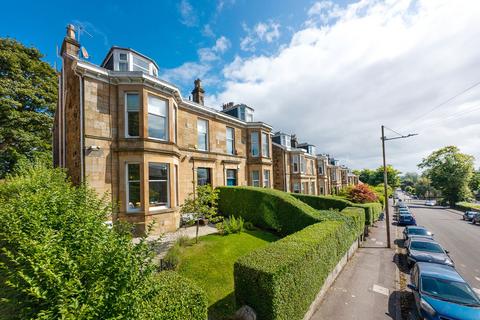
210	264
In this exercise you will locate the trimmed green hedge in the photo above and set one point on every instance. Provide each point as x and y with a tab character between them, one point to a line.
281	280
372	210
177	298
271	209
358	216
466	206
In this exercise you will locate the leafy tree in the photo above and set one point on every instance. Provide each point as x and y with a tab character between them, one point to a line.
28	96
362	193
450	172
475	182
375	177
58	259
409	179
423	188
202	204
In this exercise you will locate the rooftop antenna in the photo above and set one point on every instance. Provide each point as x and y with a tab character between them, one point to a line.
81	29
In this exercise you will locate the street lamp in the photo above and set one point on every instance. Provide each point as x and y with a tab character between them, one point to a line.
385	180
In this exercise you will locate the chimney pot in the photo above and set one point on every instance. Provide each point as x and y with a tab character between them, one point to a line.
71	31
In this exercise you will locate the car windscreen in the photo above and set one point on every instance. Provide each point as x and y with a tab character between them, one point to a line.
448	290
420	232
405	217
425	246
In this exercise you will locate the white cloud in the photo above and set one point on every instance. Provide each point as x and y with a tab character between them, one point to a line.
375	62
187	14
262	31
207	31
213	53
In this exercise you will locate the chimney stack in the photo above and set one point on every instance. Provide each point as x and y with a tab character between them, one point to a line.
198	92
70	45
294	141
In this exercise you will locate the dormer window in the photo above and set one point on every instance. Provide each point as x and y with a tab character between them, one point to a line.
124	60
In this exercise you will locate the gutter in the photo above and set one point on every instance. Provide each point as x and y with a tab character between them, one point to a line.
82	147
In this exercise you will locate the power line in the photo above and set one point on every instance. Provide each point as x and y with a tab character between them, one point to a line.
459	115
401	135
444	103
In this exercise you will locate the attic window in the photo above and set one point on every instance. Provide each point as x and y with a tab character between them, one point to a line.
140	65
122	62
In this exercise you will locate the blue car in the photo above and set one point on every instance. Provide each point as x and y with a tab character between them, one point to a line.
441	293
406	220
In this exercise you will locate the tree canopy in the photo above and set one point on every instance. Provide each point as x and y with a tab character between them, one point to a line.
450	172
375	177
28	96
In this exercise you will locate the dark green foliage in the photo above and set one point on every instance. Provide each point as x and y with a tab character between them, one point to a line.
358	216
270	209
281	280
372	210
231	225
28	96
58	260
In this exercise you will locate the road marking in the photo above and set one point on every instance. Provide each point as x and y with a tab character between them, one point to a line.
380	243
373	239
381	290
477	278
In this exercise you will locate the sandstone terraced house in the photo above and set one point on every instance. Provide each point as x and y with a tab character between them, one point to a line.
131	135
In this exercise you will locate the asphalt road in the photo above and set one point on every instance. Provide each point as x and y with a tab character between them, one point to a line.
459	237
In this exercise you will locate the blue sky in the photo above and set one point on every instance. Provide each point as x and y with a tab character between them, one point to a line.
170	32
332	72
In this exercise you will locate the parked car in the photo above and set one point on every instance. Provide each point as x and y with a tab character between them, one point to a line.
476	219
441	293
427	250
406	220
416	231
430	203
469	215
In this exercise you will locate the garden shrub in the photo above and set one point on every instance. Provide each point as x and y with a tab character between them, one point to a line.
281	280
58	259
231	225
358	216
271	209
372	210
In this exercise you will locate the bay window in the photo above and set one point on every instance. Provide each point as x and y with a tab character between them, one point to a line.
230	140
265	145
256	178
202	131
254	144
157	118
266	178
133	186
158	189
132	115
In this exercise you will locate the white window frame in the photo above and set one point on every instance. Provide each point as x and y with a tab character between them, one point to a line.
296	187
266	178
135	65
265	145
206	133
127	187
303	164
153	208
166	116
126	114
256	182
232	139
236	176
257	143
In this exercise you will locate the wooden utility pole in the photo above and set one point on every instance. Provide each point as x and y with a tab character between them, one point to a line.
385	187
385	179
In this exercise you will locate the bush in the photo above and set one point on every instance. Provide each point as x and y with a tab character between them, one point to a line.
361	193
231	225
59	260
358	216
249	226
271	209
372	210
281	280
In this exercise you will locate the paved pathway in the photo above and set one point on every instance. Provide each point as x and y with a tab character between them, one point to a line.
168	239
367	288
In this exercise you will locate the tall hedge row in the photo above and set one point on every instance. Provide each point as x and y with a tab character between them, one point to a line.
271	209
372	210
358	217
281	280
